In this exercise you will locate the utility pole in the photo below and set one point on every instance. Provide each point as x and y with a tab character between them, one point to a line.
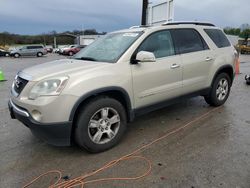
55	45
144	12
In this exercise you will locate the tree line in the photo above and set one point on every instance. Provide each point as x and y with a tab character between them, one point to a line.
242	32
67	37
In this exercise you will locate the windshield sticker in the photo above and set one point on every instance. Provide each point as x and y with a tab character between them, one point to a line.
130	34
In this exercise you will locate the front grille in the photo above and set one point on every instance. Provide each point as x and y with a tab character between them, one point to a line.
19	84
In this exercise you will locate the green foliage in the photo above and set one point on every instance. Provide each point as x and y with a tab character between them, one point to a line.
46	39
245	34
232	31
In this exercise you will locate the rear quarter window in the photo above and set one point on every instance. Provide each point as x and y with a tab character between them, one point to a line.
218	37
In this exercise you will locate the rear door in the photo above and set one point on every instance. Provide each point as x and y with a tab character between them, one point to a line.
154	82
36	49
31	50
197	58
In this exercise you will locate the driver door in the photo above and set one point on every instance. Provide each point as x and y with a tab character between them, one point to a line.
161	80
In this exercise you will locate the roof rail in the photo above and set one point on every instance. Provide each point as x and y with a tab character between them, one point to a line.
139	26
193	23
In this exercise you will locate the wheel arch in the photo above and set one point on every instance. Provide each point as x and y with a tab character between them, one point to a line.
117	93
225	69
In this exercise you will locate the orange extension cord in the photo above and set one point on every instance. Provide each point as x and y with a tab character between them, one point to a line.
81	180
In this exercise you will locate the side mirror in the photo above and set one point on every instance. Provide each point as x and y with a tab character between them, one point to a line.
144	56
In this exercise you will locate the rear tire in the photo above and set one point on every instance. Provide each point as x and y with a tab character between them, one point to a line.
39	54
100	125
71	53
220	90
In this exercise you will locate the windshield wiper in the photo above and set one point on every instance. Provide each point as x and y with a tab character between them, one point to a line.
86	58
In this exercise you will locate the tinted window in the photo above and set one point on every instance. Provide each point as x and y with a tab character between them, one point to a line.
34	47
188	40
38	47
218	37
159	43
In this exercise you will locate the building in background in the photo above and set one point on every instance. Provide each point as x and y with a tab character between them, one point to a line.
86	39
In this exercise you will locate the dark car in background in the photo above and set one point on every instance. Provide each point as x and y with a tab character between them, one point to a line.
4	53
74	50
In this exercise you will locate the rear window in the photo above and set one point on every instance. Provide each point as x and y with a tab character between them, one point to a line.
188	40
218	37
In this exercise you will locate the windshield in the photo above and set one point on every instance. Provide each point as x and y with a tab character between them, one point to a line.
108	48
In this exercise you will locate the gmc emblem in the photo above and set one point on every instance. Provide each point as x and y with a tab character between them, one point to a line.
17	82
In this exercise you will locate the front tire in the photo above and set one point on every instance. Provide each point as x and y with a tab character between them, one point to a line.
220	90
247	78
16	55
100	125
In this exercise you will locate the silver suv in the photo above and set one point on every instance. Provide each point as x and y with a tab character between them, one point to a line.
30	50
90	99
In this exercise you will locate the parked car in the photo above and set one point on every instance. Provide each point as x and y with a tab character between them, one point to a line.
49	49
4	53
56	50
66	48
74	50
29	50
89	99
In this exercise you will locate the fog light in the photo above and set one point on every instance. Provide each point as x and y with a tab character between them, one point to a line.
36	115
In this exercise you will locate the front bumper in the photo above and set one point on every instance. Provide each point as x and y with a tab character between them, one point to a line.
58	134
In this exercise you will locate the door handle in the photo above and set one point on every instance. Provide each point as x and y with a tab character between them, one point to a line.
209	59
174	66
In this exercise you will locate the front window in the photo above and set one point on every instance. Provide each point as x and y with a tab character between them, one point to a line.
108	48
159	43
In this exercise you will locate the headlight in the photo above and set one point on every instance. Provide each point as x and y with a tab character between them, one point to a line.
48	87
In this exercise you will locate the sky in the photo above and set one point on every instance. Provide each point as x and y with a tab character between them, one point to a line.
42	16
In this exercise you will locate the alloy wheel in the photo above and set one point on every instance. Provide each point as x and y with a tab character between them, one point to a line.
104	125
222	89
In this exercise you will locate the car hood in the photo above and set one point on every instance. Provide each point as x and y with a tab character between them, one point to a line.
64	67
